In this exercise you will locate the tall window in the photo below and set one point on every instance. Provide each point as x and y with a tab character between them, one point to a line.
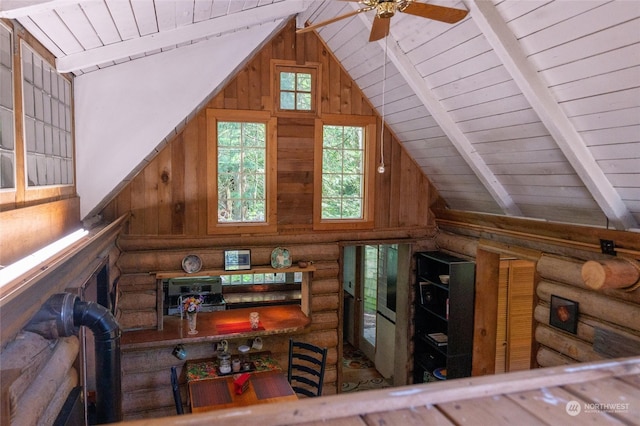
7	144
241	158
342	172
344	151
47	122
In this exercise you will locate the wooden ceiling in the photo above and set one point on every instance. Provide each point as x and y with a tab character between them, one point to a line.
524	108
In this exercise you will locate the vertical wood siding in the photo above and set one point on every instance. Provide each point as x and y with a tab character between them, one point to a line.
168	197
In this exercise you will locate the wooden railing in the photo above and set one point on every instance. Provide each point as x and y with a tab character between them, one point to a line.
498	398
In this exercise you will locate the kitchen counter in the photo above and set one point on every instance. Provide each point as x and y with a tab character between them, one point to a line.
216	326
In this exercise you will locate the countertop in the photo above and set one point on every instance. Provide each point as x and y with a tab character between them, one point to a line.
273	320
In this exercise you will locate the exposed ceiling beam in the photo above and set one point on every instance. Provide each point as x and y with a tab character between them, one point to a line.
508	49
211	27
446	123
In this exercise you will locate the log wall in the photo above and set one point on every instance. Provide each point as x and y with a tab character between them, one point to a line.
37	375
608	325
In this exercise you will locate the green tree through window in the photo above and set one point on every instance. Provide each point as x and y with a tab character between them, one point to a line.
241	172
295	91
342	172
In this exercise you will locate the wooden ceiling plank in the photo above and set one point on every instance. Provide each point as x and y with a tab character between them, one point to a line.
100	18
14	9
179	35
568	139
145	15
442	117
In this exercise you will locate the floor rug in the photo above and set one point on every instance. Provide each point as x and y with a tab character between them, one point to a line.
353	358
359	373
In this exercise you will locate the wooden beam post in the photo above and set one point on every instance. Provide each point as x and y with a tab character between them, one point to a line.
486	313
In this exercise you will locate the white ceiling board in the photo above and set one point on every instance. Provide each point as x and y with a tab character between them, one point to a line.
553	117
79	26
145	16
101	20
177	35
122	15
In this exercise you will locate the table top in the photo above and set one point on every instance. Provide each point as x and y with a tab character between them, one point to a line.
216	393
208	368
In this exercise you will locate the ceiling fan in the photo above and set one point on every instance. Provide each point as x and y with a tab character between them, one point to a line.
385	9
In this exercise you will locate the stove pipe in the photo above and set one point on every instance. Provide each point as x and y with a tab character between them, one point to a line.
61	316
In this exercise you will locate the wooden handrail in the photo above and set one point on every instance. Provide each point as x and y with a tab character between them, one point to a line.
338	407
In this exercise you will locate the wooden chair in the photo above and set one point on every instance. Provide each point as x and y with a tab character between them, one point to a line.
306	368
177	398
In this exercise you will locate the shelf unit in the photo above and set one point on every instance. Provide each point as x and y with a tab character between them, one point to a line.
443	310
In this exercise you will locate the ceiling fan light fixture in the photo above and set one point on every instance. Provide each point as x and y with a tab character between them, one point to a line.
386	9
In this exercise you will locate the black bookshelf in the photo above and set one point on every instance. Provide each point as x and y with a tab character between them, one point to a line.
444	316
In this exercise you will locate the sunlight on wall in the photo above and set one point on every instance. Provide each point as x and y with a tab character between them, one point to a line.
23	265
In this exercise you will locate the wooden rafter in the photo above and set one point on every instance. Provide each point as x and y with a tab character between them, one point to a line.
448	126
551	114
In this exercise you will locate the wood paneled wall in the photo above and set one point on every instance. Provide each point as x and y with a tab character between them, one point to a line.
35	227
168	197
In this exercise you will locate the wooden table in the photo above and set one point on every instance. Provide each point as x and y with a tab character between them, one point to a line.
217	393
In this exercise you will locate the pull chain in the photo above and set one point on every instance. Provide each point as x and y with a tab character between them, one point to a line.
381	167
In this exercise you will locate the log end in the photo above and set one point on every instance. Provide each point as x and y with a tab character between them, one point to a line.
610	273
593	274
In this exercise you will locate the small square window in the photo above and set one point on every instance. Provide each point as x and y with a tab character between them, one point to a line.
295	88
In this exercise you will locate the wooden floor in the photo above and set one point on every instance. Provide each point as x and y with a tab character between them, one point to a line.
599	393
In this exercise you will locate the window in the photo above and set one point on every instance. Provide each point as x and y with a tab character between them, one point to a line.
47	122
295	88
241	158
344	172
254	279
295	91
7	144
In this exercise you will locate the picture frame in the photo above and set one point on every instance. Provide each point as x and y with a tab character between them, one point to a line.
564	314
236	260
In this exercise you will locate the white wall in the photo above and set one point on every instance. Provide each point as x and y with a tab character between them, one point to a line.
123	112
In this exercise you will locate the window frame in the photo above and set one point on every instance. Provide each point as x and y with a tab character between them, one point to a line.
42	191
289	66
12	190
213	116
368	123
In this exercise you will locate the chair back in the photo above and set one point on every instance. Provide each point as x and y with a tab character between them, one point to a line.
177	398
306	368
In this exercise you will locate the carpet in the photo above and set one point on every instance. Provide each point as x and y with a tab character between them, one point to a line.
359	373
353	358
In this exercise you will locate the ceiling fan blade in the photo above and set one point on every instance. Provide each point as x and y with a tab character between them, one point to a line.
438	13
332	20
380	28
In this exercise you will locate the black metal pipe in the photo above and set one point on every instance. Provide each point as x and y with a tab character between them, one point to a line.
61	316
107	334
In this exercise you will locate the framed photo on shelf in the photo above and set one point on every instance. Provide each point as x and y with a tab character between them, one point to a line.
564	314
236	260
